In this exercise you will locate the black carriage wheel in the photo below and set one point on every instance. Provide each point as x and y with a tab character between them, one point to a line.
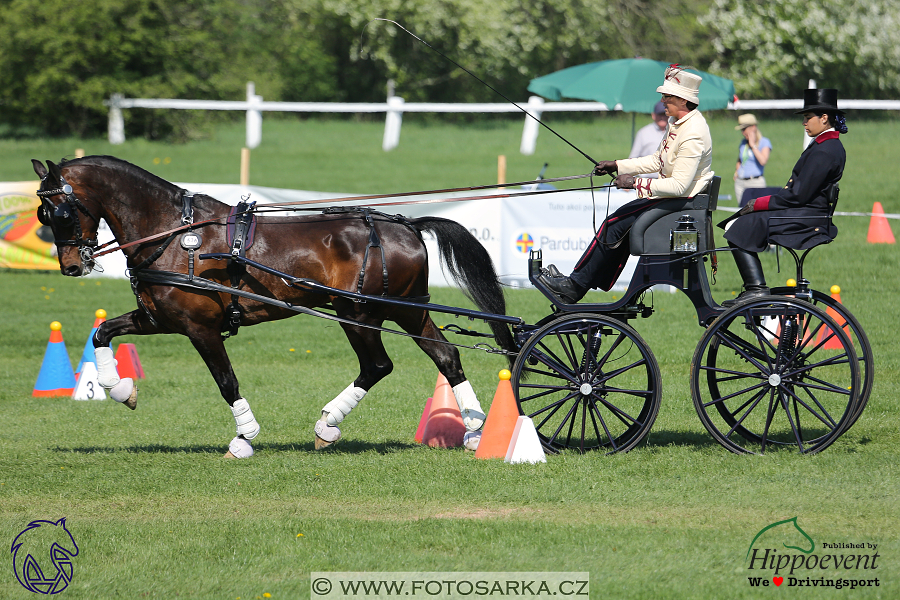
589	382
858	338
763	377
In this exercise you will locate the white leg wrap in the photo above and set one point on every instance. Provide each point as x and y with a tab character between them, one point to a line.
244	419
469	408
240	448
122	390
335	411
107	376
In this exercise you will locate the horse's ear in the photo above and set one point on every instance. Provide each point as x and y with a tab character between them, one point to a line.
54	170
39	168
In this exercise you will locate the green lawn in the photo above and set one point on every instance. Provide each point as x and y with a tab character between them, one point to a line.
158	513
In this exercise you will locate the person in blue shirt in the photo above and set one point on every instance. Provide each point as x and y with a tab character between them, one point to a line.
753	154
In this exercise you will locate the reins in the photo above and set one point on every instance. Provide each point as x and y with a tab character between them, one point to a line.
286	206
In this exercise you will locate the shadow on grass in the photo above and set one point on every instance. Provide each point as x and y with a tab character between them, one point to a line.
687	439
349	447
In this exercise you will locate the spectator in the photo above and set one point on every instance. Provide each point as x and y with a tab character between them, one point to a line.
648	137
753	154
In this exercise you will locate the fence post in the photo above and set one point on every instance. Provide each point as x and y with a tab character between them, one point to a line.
254	117
116	127
392	123
532	127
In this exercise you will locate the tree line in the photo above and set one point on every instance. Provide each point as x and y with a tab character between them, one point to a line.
60	59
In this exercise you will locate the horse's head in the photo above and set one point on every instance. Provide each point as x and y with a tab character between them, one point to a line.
73	223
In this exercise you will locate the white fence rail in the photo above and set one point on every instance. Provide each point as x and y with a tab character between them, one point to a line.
395	106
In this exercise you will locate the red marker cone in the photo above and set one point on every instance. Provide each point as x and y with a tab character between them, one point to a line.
500	422
128	364
56	377
88	354
879	228
833	343
444	428
420	430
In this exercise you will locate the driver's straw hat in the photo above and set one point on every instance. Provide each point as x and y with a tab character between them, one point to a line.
681	83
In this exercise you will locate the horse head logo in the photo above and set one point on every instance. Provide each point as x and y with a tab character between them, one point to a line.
786	531
51	543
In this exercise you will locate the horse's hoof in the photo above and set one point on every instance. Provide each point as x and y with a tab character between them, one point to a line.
131	402
125	392
239	448
320	443
326	435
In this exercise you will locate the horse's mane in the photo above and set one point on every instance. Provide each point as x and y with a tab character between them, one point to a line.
143	176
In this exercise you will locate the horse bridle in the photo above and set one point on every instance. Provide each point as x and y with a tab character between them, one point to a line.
65	215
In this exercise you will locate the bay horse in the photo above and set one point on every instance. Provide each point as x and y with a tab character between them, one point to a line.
330	249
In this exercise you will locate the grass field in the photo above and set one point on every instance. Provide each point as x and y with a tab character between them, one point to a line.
158	513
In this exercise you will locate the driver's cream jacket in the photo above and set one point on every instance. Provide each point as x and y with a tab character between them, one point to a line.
683	161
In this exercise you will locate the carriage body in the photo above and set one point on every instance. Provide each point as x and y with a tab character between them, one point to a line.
790	370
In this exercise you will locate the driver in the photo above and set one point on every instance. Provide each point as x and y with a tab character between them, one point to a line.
682	162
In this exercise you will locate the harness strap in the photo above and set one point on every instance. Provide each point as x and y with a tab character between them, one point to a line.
243	219
374	242
181	280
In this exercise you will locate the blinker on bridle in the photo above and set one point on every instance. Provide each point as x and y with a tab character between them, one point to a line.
65	216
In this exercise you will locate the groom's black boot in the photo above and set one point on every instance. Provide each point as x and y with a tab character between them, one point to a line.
751	271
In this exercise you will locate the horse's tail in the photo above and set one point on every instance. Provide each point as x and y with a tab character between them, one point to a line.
472	269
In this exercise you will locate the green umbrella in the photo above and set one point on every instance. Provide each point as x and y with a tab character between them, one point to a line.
628	84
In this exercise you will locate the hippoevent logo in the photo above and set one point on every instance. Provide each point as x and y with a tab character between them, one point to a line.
42	556
524	243
784	554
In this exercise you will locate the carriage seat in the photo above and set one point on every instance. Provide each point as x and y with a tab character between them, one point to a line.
650	233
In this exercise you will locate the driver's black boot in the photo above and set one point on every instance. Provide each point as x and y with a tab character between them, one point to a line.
751	271
564	287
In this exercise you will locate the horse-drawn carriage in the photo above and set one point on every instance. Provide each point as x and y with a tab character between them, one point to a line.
791	369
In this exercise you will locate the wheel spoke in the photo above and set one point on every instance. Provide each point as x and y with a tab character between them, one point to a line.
616	343
738	345
618	412
612	441
738	393
755	401
797	398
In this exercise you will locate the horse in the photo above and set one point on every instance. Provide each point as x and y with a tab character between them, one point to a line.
333	248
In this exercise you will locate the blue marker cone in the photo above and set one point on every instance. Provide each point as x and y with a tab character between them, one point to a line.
56	377
88	354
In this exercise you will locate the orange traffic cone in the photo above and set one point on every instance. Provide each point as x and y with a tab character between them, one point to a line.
420	430
128	364
56	377
501	421
879	228
833	342
444	428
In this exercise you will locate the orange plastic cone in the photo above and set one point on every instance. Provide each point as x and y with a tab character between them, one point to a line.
879	228
501	421
444	428
128	364
420	430
834	343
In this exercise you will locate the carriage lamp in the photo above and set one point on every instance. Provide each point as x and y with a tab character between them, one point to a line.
684	237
